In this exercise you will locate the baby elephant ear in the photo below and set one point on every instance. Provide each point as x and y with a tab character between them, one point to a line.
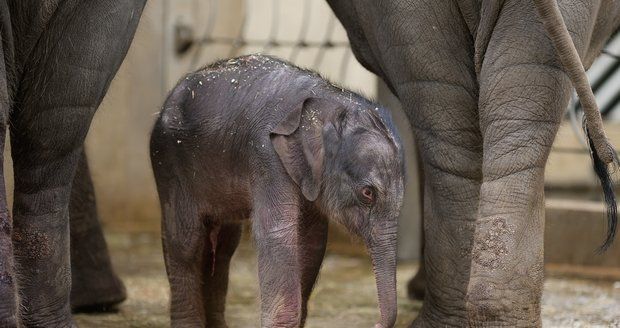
298	141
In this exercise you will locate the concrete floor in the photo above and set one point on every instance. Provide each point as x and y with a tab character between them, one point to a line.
344	296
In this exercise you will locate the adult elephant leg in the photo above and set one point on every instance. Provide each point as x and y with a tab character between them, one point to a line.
94	285
8	296
428	59
64	80
417	284
523	93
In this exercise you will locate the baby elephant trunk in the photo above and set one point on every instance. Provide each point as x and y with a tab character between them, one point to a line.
382	248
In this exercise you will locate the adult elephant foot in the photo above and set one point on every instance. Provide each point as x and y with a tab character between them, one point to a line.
8	303
8	300
97	294
95	286
417	285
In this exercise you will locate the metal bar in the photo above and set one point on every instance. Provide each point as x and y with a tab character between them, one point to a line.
344	64
307	44
611	105
213	8
567	150
598	83
238	41
605	76
610	54
326	43
303	32
275	23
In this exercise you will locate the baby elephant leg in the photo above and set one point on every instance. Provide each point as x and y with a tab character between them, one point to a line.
220	247
184	241
312	243
275	225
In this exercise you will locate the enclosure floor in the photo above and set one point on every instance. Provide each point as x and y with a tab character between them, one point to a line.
344	295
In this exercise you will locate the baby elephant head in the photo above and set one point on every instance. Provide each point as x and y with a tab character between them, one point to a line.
348	160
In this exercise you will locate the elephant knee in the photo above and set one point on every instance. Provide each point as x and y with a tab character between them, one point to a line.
515	145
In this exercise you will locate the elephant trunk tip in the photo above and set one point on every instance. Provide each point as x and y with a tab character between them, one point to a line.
387	321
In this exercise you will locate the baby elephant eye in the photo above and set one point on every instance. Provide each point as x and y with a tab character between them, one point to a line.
368	194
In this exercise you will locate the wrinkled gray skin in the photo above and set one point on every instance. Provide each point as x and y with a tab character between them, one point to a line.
485	93
257	138
57	59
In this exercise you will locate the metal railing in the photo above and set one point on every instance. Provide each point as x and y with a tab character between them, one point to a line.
303	42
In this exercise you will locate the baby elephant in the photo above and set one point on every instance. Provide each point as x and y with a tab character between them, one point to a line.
255	137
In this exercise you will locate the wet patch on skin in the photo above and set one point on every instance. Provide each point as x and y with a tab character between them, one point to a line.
492	247
35	245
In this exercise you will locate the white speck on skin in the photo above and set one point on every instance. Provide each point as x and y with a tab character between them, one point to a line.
178	141
200	82
193	94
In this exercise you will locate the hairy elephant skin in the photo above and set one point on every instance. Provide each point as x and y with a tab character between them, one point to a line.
59	58
255	137
485	92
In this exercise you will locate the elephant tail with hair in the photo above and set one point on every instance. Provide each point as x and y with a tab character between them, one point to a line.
603	153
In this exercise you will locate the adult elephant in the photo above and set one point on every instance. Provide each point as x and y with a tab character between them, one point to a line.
58	59
482	85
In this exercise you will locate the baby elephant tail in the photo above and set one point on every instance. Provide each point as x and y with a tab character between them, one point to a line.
603	153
